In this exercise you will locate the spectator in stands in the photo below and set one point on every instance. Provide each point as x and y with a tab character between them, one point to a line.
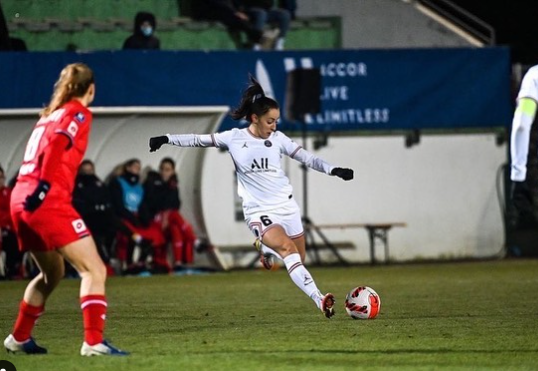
226	12
10	256
161	195
289	5
126	196
91	199
8	43
524	117
143	34
263	12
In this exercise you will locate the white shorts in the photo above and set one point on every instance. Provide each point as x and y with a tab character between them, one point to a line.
288	217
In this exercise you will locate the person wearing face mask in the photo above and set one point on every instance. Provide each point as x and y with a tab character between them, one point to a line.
270	211
143	36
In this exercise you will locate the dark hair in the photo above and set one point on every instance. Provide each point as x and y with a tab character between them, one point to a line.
253	101
86	162
168	160
130	163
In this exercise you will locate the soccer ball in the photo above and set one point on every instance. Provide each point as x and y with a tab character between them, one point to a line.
363	303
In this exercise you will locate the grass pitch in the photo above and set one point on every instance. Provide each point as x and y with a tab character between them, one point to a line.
454	316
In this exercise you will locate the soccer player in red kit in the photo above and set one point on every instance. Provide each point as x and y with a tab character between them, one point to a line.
46	223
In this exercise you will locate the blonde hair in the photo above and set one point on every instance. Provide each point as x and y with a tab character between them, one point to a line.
74	81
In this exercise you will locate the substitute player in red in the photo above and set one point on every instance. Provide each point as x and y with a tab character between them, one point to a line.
46	223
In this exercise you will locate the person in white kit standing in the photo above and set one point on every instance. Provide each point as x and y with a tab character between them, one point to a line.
524	116
270	211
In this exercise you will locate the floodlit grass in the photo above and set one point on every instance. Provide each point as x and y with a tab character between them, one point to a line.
454	316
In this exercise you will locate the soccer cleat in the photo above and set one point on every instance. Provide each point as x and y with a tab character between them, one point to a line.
266	259
327	305
28	347
101	349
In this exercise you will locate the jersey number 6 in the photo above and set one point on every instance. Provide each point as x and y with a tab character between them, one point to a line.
265	220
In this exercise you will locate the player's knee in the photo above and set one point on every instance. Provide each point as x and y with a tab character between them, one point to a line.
52	278
288	248
96	272
100	272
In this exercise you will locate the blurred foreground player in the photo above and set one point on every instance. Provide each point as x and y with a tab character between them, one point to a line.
46	223
524	117
270	211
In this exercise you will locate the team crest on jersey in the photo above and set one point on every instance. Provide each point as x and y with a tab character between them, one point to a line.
72	128
268	143
78	226
79	116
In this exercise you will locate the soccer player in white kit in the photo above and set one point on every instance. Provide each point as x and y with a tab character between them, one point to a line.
270	211
524	116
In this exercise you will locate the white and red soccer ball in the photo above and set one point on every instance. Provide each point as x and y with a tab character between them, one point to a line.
363	303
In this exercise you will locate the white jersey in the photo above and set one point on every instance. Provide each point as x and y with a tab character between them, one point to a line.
521	126
529	84
262	184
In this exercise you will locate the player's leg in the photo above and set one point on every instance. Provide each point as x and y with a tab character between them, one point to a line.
277	239
83	256
51	266
326	302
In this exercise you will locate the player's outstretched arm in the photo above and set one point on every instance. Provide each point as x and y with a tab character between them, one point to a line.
344	173
156	142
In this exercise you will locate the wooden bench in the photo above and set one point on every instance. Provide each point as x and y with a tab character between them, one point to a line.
376	232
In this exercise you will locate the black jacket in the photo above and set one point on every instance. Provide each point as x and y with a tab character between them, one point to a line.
91	198
138	40
159	195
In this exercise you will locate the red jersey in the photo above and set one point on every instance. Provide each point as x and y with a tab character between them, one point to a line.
5	214
74	121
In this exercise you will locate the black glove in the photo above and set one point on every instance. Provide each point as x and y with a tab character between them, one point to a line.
156	142
35	200
346	174
521	197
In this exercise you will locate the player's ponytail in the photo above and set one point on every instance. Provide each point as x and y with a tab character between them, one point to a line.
74	81
253	101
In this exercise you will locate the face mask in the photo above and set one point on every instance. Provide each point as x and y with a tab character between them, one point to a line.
146	31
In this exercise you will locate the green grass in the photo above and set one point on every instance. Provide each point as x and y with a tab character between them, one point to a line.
454	316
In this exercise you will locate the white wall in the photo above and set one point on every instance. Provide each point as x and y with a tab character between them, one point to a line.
122	133
382	24
444	189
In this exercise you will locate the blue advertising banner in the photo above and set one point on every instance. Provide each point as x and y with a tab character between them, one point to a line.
361	89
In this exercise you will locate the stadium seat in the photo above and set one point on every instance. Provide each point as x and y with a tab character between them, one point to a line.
52	25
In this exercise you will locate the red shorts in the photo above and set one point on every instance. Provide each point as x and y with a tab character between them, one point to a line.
52	226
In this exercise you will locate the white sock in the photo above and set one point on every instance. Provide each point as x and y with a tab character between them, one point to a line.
302	278
279	45
257	47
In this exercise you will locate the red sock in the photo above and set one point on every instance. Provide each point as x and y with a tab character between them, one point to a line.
28	315
94	314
